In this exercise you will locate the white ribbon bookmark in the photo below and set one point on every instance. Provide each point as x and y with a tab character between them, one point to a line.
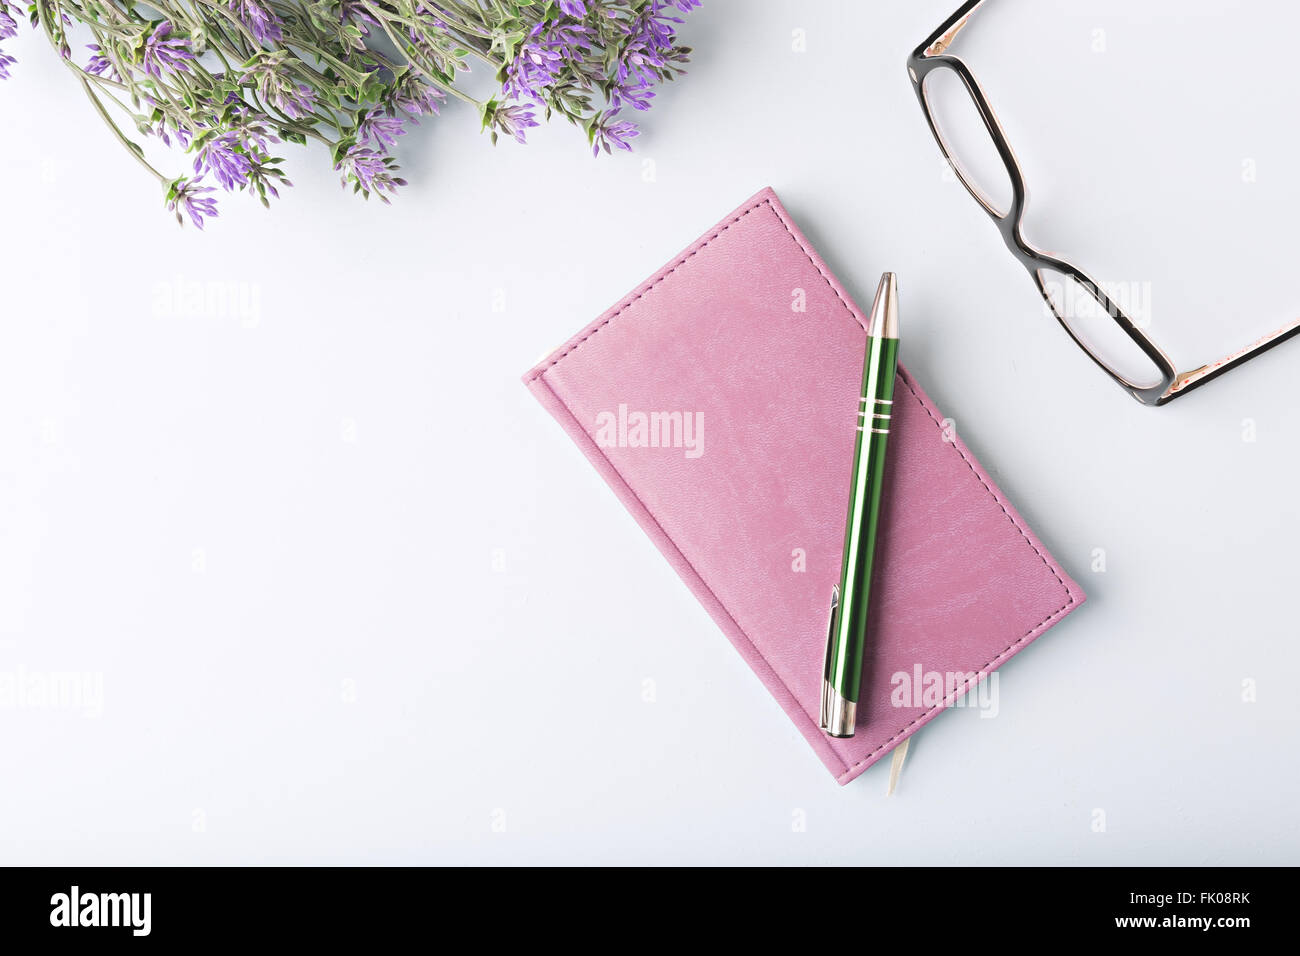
896	765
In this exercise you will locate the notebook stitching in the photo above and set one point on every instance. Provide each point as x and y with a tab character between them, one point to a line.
699	577
675	266
992	494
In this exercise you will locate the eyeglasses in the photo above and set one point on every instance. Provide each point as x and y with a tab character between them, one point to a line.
947	89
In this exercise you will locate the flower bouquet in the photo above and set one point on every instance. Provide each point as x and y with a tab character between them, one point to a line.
227	80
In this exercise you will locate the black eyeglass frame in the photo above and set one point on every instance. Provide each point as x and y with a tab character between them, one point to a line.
932	55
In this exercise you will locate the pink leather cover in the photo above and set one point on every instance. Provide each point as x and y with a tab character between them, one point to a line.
963	584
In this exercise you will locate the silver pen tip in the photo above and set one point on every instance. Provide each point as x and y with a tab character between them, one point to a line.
884	313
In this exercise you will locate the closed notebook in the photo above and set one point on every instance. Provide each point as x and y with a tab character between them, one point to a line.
719	401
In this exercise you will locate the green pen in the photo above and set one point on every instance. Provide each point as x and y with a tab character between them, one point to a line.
846	640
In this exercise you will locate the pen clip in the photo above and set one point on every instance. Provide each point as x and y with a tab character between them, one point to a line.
824	720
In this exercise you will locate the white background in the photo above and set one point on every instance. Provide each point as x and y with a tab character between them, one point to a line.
356	598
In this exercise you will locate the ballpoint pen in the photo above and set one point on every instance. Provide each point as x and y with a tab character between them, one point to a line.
847	636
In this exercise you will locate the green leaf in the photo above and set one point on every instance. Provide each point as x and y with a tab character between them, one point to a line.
341	148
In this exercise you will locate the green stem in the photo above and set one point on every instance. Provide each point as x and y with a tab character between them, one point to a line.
433	80
131	147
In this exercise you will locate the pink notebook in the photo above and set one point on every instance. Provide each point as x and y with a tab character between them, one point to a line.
719	401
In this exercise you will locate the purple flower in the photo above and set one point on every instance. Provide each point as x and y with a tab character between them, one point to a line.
512	120
8	30
369	171
535	68
636	67
260	20
379	129
166	129
365	165
294	100
417	98
100	64
574	8
165	53
238	155
165	133
8	26
542	58
351	11
646	54
655	27
226	157
636	95
185	195
686	6
290	98
608	135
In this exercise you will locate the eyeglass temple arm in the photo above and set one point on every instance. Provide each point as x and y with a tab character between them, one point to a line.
1189	380
941	39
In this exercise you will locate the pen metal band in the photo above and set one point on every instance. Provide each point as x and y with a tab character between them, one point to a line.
878	420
